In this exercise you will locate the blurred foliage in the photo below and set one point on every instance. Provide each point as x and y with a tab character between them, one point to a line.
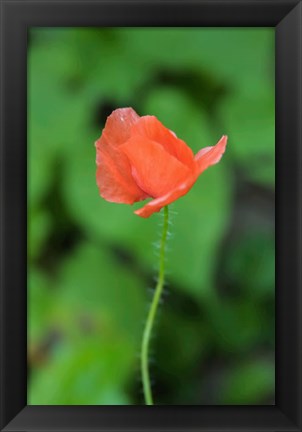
91	262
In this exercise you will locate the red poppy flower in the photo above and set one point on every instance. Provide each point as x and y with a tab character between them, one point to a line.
138	158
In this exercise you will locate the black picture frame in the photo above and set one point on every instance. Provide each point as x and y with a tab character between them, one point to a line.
16	17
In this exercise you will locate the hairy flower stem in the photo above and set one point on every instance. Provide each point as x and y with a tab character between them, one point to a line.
152	313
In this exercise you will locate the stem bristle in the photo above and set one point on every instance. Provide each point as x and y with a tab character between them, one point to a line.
156	301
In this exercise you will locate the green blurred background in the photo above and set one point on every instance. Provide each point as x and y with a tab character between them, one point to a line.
91	263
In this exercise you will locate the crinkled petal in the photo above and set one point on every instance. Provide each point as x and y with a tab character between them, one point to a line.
118	125
114	178
210	155
151	128
205	157
114	182
154	169
158	203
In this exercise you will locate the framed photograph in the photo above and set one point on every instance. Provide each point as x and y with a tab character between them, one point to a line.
151	215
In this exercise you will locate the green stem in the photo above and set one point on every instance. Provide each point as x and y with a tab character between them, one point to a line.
152	313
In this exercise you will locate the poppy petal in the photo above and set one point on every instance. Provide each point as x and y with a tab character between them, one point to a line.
210	155
118	125
114	178
204	158
151	128
154	169
158	203
114	183
116	131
